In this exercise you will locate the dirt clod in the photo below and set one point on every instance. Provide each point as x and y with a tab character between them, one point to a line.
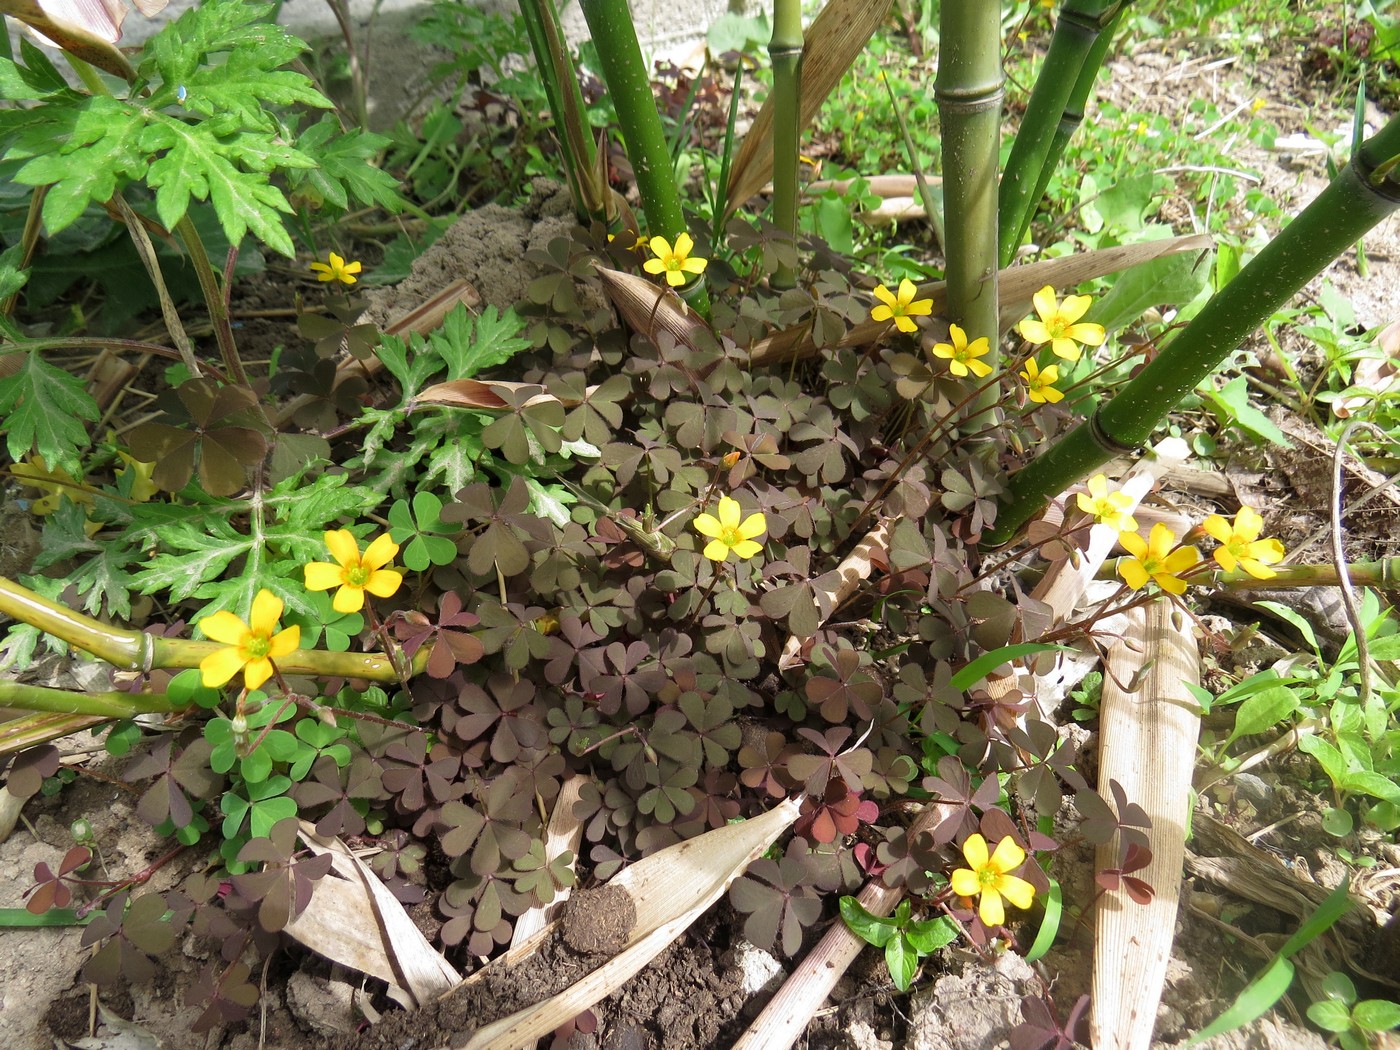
598	920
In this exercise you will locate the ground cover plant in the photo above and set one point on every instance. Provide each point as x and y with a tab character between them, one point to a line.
713	515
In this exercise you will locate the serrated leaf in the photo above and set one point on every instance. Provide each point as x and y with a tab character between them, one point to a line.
469	348
245	83
345	166
43	409
195	165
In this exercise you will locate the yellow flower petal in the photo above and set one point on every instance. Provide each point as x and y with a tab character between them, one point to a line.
257	672
1088	333
341	543
1218	528
1018	891
322	575
284	642
685	244
753	526
1033	331
716	550
379	553
990	911
383	583
1134	575
1007	855
964	883
348	599
881	313
1073	307
1248	523
975	851
219	666
1045	303
746	549
224	626
887	297
267	609
729	513
707	525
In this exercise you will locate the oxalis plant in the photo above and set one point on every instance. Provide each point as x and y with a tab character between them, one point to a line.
704	522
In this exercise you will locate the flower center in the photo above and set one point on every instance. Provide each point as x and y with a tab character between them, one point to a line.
256	646
730	537
674	262
987	878
357	576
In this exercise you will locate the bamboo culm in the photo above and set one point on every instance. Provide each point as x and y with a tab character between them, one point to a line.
1365	192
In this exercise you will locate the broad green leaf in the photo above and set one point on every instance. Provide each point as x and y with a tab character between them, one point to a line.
42	410
902	961
1373	784
867	927
985	664
1328	757
1376	1015
930	935
1233	404
1283	612
1171	281
1330	1015
1263	710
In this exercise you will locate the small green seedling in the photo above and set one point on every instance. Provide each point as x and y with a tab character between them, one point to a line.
1352	1023
905	940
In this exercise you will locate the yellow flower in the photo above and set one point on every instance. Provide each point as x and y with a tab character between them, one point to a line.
33	473
901	308
727	533
142	487
1040	382
1057	326
336	270
1154	558
675	264
1240	544
1108	508
961	355
252	646
988	878
355	573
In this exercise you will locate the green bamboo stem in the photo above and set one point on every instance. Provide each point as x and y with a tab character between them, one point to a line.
590	194
1383	573
25	697
625	73
785	50
1070	119
1365	192
1080	24
17	734
969	94
133	650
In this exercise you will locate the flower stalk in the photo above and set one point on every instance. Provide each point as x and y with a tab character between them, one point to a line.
1363	193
